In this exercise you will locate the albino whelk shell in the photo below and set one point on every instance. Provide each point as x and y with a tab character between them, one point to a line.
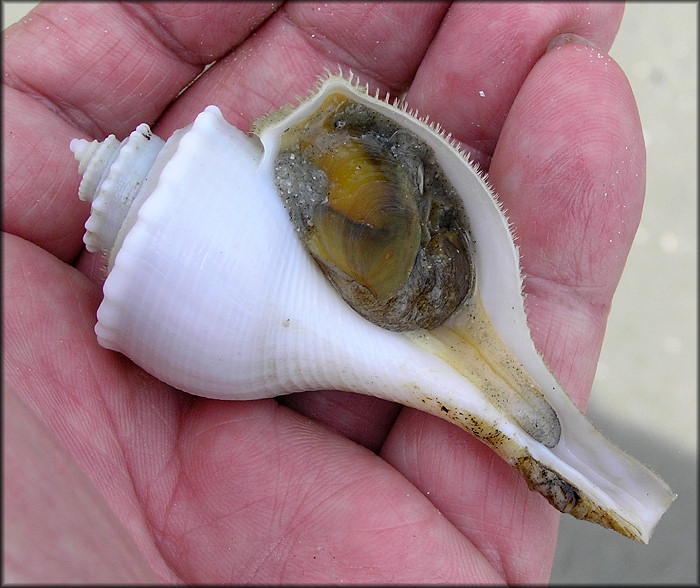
222	248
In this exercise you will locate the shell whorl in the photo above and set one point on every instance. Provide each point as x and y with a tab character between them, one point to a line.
113	173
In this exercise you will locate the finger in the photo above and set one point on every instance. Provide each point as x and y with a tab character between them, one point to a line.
383	43
41	180
569	168
90	70
363	419
483	53
107	67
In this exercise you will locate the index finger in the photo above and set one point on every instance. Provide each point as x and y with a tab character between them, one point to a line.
482	55
107	67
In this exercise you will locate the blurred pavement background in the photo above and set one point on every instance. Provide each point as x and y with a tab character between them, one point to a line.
644	395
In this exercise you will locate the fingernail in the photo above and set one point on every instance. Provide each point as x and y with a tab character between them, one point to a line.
567	39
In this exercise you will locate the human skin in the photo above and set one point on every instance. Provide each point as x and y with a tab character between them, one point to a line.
111	475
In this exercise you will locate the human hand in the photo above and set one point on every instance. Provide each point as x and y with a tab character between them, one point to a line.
112	475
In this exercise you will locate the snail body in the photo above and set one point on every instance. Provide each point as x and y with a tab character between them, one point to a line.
343	244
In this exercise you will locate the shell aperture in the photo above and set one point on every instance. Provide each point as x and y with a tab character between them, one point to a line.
230	277
377	214
389	231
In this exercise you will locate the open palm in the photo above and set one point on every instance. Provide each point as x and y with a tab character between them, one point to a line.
112	475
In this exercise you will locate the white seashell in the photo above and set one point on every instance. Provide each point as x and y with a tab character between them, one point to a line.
211	290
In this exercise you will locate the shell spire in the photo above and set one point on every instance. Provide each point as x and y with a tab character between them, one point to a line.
113	173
